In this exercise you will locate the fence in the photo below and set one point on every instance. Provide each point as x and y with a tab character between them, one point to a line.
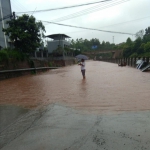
129	61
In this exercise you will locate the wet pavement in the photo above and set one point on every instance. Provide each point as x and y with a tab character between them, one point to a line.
10	113
63	128
108	110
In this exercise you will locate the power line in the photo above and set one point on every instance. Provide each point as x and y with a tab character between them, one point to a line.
66	7
89	10
87	28
127	22
117	23
21	6
15	5
124	22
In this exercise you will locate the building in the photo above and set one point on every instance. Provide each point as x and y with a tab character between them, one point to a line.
59	40
5	12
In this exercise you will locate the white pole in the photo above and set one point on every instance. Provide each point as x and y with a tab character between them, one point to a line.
3	23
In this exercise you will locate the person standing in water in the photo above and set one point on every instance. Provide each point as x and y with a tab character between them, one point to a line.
82	64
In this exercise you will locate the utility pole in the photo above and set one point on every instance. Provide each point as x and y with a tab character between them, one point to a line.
113	39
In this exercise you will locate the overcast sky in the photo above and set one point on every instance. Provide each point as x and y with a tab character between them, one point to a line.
128	16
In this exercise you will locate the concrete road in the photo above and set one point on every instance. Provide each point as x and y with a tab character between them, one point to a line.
63	128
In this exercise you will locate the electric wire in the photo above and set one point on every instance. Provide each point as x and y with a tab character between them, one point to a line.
117	23
72	26
66	7
127	22
87	11
15	6
123	22
19	5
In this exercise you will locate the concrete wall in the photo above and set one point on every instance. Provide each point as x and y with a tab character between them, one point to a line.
53	45
22	65
5	9
62	61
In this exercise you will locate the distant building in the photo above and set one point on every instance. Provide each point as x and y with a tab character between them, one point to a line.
59	40
5	11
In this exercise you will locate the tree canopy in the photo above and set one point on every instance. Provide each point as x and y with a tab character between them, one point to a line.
137	48
92	44
25	33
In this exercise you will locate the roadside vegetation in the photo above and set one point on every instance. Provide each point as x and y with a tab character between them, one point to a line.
7	55
88	45
10	57
138	48
67	51
26	34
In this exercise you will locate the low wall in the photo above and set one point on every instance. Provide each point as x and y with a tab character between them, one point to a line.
14	65
62	61
10	70
18	72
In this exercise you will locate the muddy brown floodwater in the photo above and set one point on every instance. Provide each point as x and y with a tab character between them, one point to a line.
107	88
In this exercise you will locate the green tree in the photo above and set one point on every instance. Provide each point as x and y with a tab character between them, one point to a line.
72	43
127	51
147	47
146	37
136	47
103	44
129	42
95	42
87	45
147	31
107	46
25	33
139	34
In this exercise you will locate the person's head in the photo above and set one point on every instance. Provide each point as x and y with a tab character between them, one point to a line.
82	60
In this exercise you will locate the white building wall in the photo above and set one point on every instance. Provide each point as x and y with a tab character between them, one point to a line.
5	10
53	45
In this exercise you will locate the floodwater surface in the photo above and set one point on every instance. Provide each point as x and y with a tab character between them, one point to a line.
107	88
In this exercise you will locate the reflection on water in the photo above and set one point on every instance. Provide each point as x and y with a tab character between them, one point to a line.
83	86
107	87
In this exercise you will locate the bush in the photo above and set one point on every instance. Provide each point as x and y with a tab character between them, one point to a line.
16	56
134	55
4	56
12	55
145	54
50	64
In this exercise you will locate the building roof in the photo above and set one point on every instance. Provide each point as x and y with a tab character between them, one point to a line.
53	36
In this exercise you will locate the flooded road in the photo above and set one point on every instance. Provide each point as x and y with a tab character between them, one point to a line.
107	88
